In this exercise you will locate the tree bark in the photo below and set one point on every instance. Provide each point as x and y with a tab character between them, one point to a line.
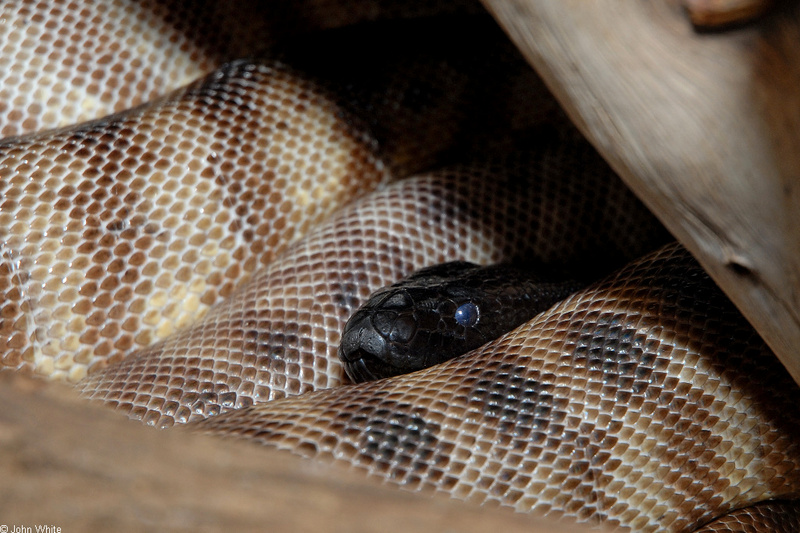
705	128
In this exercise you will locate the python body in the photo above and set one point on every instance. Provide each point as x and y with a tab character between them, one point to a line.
195	257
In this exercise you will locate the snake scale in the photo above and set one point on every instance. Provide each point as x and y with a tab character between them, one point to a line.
191	254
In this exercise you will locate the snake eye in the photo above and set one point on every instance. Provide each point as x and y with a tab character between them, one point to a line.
467	314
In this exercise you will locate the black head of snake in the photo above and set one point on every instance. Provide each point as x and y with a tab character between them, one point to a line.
439	313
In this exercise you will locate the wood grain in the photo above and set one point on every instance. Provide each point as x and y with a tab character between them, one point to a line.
71	465
705	129
719	13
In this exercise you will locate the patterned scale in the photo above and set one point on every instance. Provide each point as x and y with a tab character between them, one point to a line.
63	62
775	516
193	259
644	402
279	333
119	231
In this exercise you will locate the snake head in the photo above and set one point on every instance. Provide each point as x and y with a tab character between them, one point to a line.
440	313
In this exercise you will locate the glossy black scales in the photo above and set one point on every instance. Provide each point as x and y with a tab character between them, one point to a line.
439	313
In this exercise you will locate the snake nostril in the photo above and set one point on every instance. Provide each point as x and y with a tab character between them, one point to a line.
364	351
360	339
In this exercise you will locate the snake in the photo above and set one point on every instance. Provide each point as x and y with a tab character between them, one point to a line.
191	214
441	312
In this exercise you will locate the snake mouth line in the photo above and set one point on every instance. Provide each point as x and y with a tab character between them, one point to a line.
357	371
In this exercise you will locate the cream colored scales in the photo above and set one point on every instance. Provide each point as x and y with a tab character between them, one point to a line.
200	254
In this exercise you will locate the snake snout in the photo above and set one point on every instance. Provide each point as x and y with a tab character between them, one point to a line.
357	369
362	348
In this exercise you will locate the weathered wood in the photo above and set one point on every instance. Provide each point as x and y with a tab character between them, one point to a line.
704	128
67	464
718	13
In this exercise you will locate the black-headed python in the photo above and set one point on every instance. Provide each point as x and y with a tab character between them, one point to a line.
193	259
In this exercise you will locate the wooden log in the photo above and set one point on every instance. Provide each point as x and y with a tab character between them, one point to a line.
67	464
712	14
705	128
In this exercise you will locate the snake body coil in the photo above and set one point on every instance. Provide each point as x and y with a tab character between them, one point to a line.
193	260
643	402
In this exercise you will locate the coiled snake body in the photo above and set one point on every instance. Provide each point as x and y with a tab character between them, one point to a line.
193	260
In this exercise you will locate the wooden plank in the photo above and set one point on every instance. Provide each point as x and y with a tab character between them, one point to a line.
705	128
64	463
720	13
